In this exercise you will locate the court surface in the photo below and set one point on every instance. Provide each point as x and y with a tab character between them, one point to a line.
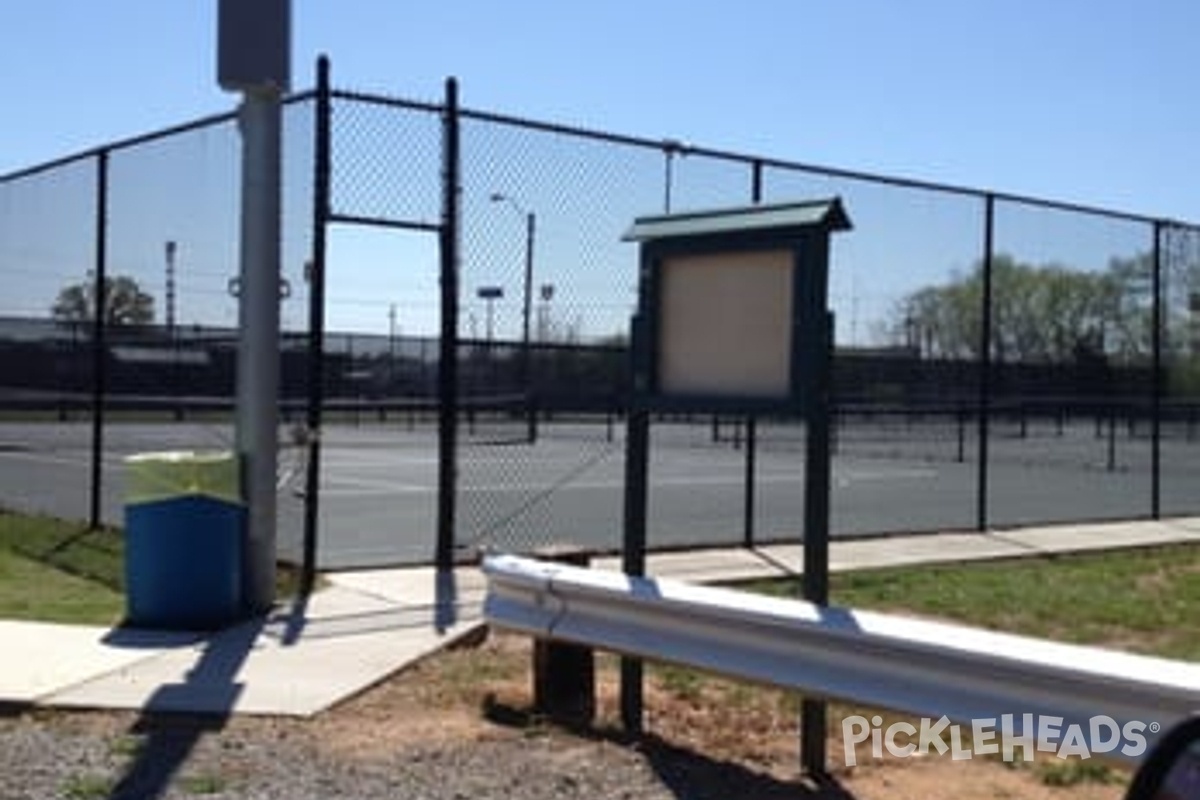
378	499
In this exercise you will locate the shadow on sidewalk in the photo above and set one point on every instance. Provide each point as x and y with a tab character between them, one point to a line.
170	735
449	608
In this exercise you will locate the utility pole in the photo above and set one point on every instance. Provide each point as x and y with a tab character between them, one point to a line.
254	51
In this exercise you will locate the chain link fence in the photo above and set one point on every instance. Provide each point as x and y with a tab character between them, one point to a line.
999	360
150	227
1176	425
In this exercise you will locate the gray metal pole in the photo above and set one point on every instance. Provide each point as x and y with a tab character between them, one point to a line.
258	345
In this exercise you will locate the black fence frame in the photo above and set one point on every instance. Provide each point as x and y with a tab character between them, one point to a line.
448	232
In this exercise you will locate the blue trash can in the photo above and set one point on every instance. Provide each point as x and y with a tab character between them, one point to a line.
184	527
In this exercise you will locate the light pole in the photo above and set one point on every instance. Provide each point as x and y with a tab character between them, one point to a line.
527	291
527	288
489	295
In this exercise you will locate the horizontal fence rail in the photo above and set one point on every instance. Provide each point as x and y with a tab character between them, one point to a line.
1082	359
922	667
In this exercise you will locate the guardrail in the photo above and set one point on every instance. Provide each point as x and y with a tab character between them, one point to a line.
927	668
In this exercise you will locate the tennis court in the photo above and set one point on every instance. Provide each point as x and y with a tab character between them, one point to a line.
378	484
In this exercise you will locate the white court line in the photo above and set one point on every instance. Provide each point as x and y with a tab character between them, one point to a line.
368	486
843	478
846	477
44	458
361	486
373	461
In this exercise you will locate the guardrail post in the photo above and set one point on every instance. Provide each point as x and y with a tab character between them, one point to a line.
564	674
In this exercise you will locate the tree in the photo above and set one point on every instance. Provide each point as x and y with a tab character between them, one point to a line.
1047	313
124	303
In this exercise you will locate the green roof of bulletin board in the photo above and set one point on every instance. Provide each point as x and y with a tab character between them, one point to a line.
827	215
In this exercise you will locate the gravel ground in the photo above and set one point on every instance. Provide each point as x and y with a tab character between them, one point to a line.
456	726
86	756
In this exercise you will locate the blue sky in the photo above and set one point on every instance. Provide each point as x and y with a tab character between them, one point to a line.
1089	101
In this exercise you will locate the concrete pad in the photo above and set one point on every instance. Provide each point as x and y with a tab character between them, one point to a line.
259	668
40	658
416	586
706	566
365	626
934	548
1187	526
1098	536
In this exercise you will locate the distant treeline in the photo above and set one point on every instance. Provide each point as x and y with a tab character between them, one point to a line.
58	359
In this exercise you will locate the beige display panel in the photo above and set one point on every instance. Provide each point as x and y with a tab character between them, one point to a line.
725	325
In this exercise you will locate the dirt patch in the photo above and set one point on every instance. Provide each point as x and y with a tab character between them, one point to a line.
483	694
453	722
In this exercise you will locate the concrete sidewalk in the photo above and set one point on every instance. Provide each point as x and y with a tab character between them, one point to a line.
365	626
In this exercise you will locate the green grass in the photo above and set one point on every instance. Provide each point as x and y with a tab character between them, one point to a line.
89	787
1074	772
1143	600
1146	600
202	784
683	683
52	570
57	571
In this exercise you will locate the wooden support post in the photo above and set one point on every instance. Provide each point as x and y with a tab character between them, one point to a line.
564	674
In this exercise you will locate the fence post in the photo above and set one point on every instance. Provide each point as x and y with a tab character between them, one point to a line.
1112	437
637	453
961	414
637	475
99	344
985	362
1156	392
316	325
751	477
751	473
448	355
